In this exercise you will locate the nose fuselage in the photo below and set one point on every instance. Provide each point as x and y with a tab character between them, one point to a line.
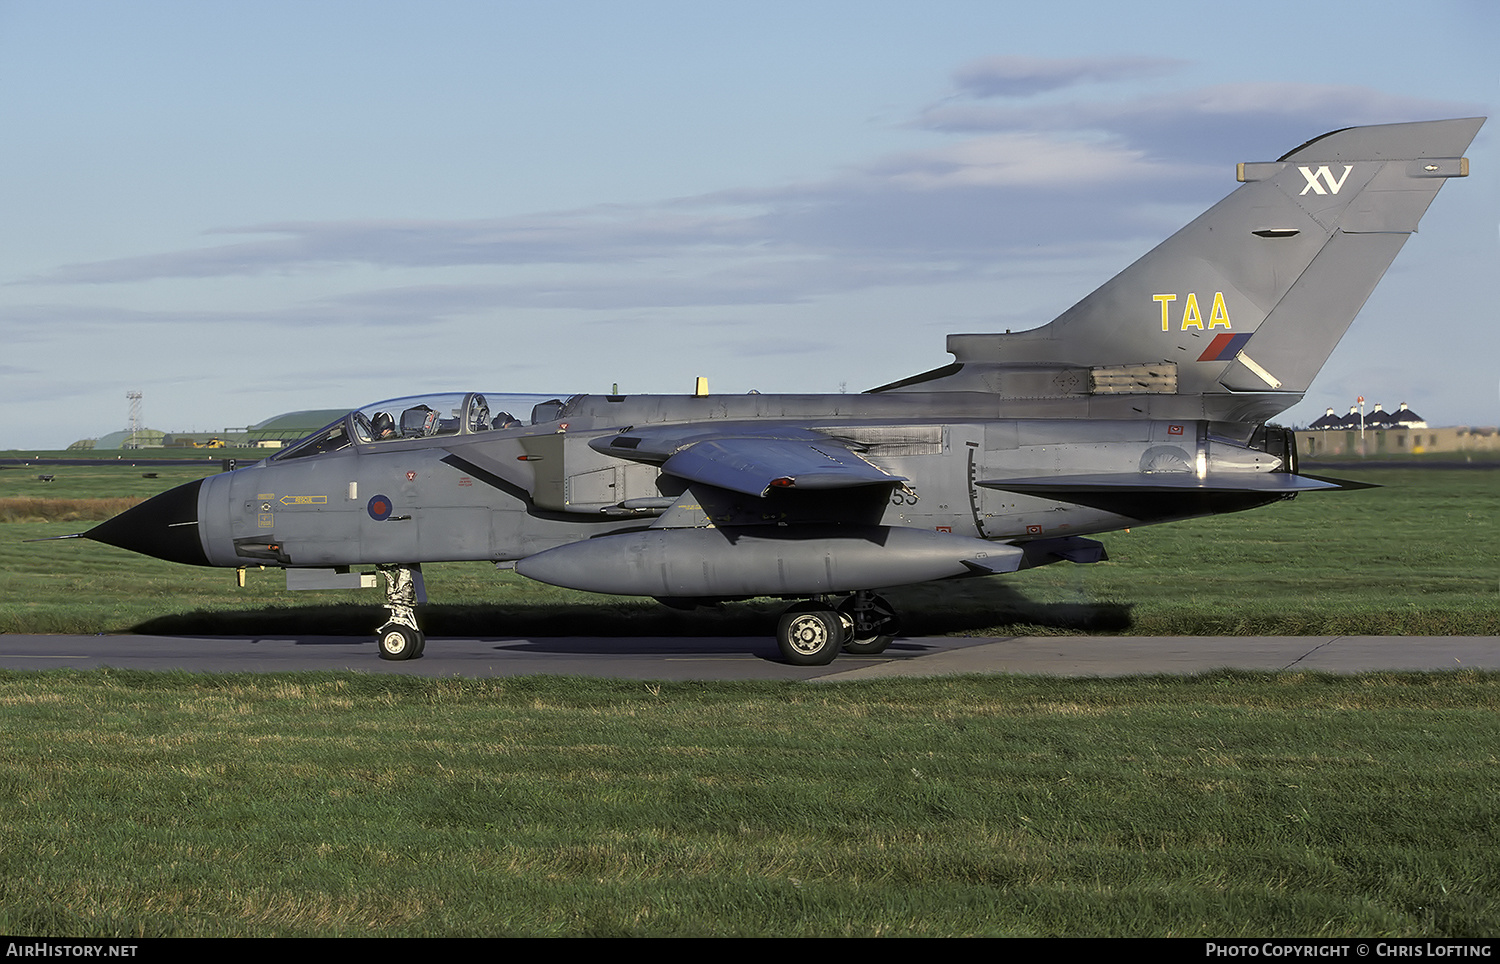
164	526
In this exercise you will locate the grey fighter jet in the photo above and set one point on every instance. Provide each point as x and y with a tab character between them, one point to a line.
1145	402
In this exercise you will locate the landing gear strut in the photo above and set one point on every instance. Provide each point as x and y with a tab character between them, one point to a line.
812	633
400	637
875	623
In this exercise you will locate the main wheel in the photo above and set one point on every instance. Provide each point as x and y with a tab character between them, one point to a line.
868	645
810	634
400	642
875	624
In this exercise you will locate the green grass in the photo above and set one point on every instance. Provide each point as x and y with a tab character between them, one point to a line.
1420	556
1468	457
244	454
1232	804
96	481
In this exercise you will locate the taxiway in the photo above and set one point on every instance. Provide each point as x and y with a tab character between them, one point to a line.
730	658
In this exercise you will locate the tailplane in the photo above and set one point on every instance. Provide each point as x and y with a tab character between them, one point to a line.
1232	316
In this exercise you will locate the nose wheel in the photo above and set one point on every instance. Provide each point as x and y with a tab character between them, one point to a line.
400	637
401	642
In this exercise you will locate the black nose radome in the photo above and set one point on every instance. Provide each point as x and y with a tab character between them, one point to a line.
164	526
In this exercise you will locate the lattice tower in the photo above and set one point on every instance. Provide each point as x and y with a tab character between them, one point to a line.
133	441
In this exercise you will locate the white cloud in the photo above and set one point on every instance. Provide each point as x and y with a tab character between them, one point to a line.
1262	118
1020	160
1015	76
1084	176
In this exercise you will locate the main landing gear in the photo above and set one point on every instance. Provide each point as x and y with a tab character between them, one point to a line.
812	633
401	637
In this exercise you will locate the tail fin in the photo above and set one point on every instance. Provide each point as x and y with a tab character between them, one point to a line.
1251	297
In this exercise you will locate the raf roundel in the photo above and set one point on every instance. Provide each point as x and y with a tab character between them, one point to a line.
379	508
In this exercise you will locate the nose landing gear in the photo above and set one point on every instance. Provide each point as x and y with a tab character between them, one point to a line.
400	637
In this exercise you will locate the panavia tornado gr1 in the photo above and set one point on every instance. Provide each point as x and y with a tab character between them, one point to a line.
1145	402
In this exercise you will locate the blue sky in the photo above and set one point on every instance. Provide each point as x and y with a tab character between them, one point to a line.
241	209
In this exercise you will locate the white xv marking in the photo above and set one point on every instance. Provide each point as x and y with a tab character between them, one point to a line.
1317	179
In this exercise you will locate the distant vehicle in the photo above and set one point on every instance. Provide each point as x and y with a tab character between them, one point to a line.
1145	402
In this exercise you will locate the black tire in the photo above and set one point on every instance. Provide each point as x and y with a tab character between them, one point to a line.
400	642
810	634
882	626
869	646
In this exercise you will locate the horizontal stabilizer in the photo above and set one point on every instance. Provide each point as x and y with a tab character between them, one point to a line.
1269	483
1344	484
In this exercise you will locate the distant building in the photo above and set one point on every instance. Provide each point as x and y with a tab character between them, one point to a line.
1352	420
291	426
1396	440
1378	418
1406	418
272	433
1328	421
1382	433
146	438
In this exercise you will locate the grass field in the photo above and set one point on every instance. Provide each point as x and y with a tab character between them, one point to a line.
1233	804
1230	804
1421	555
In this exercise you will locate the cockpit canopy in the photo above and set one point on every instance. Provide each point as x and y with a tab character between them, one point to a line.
427	416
